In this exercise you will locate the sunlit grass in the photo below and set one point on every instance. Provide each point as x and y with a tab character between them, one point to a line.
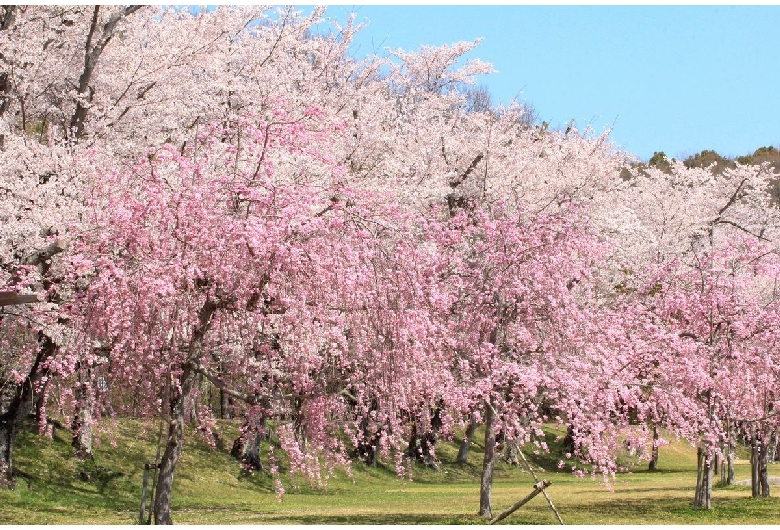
211	488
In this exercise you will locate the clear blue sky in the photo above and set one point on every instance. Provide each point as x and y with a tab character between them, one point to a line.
670	78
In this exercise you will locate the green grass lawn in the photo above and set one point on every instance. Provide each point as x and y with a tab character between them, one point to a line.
211	488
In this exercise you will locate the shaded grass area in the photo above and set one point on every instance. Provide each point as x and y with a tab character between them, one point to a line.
211	488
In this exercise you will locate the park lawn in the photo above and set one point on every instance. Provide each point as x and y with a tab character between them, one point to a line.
211	488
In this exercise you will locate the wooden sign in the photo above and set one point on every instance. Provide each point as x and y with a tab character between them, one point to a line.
12	298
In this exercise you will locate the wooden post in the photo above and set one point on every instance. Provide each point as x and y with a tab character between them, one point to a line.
549	500
13	298
538	488
144	489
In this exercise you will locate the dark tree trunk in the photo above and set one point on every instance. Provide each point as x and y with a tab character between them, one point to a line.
7	435
759	473
463	451
17	406
367	450
8	18
703	497
729	451
568	440
40	408
225	405
754	466
488	463
179	398
763	474
730	474
653	464
173	448
246	448
82	421
509	451
421	446
367	447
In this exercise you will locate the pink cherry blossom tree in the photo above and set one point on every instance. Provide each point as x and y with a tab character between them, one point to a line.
49	67
707	245
226	262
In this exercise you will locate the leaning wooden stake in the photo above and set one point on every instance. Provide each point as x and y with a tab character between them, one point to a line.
549	501
12	298
144	491
538	488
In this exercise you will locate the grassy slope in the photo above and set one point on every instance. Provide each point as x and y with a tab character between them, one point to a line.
210	488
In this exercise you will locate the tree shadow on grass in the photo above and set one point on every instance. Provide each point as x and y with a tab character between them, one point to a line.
371	519
624	511
678	509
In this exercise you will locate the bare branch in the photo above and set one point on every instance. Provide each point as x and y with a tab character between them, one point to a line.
41	256
222	385
458	181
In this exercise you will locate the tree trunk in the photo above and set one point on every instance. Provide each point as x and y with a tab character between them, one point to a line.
246	448
93	48
755	466
173	448
486	486
772	449
367	450
17	406
763	474
225	405
509	452
703	497
7	435
40	409
730	477
82	421
730	451
653	464
178	409
421	446
759	460
463	451
412	449
568	440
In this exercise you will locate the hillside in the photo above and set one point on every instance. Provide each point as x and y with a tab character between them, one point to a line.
708	158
